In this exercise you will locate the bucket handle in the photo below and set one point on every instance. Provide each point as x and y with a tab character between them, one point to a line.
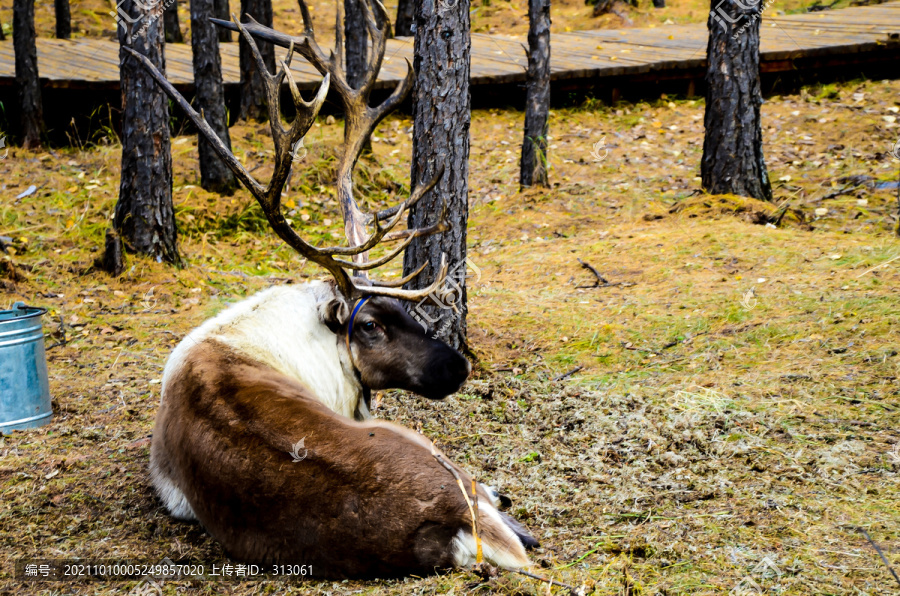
23	309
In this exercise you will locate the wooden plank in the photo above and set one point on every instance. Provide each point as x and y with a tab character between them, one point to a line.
661	52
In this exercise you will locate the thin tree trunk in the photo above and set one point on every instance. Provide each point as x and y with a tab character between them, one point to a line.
441	107
28	84
406	18
732	147
144	217
659	3
209	97
63	19
355	48
222	12
253	91
173	30
533	166
355	42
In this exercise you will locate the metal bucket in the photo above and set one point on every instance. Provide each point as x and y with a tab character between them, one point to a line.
24	389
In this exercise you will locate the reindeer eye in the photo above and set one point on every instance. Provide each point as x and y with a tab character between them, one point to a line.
368	326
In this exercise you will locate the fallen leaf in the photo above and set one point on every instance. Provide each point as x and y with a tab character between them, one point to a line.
28	191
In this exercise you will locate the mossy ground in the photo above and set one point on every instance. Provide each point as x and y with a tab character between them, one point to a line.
738	396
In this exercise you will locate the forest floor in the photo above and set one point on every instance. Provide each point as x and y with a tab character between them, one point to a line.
93	18
735	420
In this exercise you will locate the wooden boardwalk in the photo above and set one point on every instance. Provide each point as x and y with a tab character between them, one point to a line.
840	37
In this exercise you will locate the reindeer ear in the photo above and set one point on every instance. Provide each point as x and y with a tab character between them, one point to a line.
334	313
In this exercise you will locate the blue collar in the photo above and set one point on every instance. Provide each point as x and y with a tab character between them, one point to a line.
356	308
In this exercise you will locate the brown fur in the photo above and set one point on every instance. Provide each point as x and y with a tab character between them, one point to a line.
368	499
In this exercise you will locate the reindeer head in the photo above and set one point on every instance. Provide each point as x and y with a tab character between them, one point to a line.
388	348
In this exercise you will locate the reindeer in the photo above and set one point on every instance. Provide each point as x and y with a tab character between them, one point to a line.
264	433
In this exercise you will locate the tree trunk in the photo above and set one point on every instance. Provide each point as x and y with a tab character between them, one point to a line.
406	18
222	12
173	31
28	84
732	147
209	97
63	19
253	91
659	3
533	166
355	41
441	107
144	217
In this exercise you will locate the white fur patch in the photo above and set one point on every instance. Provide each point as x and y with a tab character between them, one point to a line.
492	493
280	327
465	549
171	496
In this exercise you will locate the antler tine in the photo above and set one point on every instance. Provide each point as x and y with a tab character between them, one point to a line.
306	110
305	46
398	283
380	232
378	34
337	56
396	97
282	138
368	265
286	63
254	49
272	83
307	20
409	295
441	225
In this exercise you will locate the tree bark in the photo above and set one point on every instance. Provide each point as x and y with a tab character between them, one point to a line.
63	19
733	160
28	84
406	18
209	97
253	91
222	12
533	166
355	42
144	217
659	3
173	30
441	107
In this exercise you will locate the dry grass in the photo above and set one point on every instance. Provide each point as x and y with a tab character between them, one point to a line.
738	402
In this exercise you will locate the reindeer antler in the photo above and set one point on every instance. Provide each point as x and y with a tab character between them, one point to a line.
360	119
269	196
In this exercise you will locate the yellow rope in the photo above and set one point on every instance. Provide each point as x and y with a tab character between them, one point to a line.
479	557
